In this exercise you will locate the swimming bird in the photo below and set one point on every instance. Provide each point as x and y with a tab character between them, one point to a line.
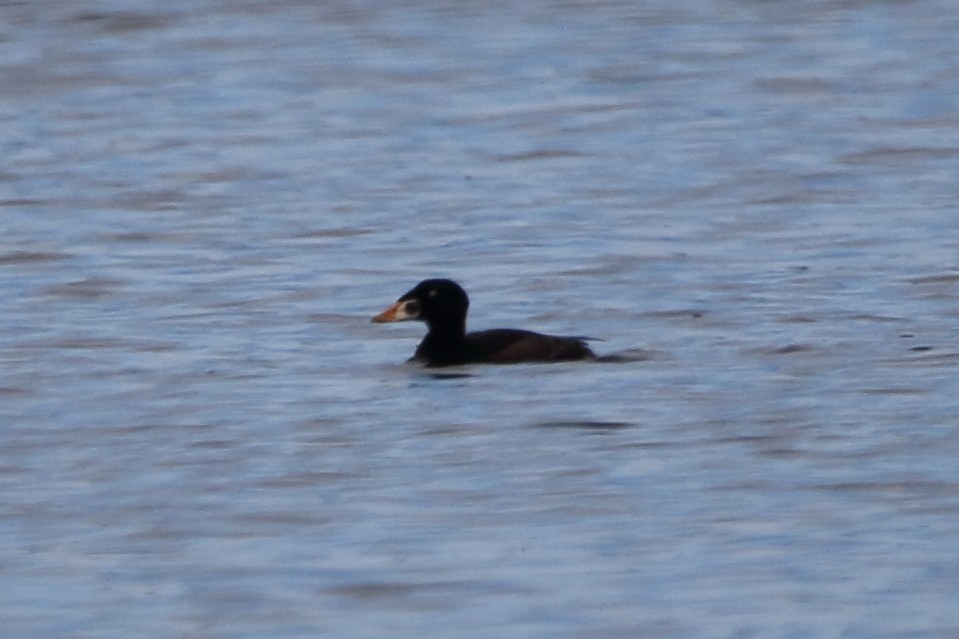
442	304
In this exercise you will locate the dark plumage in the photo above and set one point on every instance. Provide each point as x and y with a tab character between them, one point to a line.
443	304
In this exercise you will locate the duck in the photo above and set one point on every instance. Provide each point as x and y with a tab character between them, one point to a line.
443	304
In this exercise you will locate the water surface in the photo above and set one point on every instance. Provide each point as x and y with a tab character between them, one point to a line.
752	204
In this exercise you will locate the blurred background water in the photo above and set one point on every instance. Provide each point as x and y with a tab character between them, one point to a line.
203	202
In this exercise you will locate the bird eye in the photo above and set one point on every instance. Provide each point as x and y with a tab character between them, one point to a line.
432	292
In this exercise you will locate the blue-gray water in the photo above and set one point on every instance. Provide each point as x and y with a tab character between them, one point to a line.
203	203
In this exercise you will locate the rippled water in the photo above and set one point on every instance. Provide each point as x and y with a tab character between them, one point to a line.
753	203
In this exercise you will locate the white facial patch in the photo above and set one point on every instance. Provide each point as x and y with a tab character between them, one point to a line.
408	310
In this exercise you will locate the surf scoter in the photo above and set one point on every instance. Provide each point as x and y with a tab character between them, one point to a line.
442	304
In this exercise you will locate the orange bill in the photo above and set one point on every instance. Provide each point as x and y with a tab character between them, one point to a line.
392	314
